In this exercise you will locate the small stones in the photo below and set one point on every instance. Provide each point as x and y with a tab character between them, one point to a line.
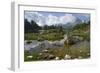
40	54
46	55
30	56
88	54
45	51
51	56
80	51
79	57
57	58
67	57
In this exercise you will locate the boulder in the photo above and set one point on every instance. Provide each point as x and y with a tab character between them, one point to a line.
67	57
45	51
51	57
57	58
79	57
75	39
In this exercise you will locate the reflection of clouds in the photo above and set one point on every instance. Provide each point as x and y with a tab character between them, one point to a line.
51	19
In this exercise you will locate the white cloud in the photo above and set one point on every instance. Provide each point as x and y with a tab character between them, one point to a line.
49	19
31	15
67	18
37	17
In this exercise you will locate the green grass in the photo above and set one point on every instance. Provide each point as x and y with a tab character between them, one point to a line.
31	36
83	51
34	58
46	35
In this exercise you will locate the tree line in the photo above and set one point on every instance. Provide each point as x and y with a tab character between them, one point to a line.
34	27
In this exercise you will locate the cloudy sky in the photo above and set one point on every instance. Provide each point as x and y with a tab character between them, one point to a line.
50	18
